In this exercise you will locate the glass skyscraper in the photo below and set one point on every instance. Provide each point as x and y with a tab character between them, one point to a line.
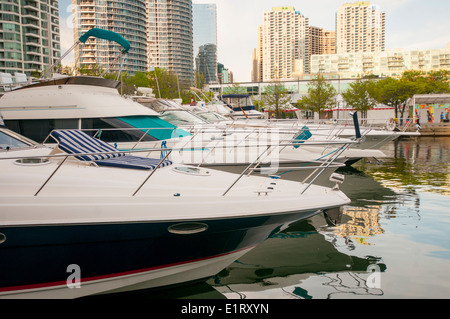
205	40
206	62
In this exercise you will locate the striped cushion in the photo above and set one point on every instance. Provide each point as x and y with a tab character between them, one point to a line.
136	162
78	142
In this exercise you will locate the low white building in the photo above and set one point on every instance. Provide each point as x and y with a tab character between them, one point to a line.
390	63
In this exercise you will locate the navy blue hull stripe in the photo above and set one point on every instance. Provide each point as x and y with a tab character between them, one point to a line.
38	256
126	273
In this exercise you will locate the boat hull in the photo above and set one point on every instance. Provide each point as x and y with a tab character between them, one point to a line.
75	260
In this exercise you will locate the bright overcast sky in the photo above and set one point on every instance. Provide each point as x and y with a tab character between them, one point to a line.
410	24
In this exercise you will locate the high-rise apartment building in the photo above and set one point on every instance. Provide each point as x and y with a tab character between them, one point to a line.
328	41
284	50
205	40
257	67
223	74
125	17
29	35
170	43
321	41
360	27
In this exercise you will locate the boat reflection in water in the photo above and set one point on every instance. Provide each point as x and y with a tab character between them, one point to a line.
318	245
91	208
345	256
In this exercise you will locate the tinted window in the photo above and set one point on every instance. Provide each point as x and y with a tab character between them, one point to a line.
38	130
7	142
126	133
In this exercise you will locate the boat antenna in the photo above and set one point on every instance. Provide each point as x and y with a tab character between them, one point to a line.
178	84
156	78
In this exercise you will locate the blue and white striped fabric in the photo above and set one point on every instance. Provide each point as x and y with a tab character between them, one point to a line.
135	162
77	142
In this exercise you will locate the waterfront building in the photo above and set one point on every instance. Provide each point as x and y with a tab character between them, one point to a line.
257	67
224	75
206	62
360	27
431	108
283	46
390	63
205	40
125	17
299	87
170	37
321	41
29	35
328	45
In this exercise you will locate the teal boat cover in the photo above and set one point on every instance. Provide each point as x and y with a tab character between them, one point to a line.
303	136
107	35
163	130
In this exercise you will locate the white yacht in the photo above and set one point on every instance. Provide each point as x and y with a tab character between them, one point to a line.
84	219
93	103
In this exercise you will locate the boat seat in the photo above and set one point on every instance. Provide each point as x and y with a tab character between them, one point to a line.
75	142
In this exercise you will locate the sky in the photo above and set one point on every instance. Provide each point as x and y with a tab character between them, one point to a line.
410	24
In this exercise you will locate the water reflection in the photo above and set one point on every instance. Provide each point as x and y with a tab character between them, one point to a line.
421	163
391	241
276	268
315	259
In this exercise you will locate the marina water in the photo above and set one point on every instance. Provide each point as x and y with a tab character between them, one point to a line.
390	242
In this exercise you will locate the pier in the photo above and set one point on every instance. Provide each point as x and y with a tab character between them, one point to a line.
433	129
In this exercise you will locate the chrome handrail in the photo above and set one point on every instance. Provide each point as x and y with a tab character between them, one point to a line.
65	156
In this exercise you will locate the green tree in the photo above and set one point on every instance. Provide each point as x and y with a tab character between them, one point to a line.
359	95
394	92
199	80
432	82
92	70
321	95
140	79
276	98
167	85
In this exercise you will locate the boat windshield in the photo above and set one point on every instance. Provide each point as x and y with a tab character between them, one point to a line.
110	129
133	128
181	117
212	116
10	140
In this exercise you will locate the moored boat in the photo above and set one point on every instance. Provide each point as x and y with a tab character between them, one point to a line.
75	224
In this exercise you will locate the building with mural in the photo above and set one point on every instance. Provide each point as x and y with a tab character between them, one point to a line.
431	108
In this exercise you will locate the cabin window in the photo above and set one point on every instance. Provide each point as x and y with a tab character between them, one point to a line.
110	132
38	130
8	142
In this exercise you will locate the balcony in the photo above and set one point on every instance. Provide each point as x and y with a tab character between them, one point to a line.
32	32
30	23
32	41
29	4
